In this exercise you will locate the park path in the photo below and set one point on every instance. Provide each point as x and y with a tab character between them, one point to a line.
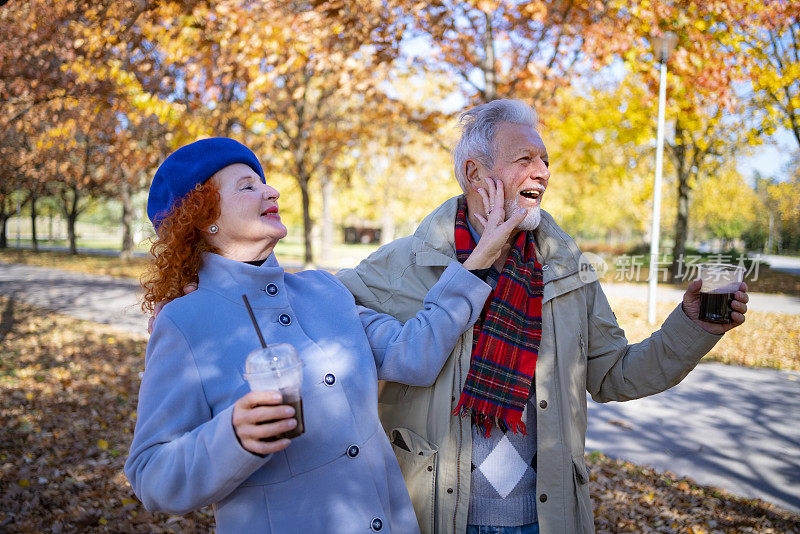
726	426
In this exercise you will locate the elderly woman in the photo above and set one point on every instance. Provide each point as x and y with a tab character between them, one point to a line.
201	436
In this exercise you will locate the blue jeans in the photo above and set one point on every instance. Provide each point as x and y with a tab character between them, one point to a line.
532	528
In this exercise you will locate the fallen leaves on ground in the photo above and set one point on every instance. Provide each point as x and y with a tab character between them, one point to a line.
765	339
630	498
68	392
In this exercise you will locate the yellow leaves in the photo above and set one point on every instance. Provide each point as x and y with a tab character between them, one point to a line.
102	444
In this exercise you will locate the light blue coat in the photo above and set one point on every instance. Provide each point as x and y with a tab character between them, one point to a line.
185	454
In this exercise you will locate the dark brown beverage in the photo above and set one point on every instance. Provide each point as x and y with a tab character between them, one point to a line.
716	307
298	416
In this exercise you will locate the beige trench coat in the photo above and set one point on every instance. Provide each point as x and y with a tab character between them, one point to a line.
582	349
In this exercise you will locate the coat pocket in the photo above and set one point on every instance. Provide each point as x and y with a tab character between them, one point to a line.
585	519
417	459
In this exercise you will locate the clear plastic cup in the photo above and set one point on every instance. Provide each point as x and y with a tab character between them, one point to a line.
278	368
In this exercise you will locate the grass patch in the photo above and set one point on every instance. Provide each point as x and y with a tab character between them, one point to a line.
68	393
84	263
289	252
766	339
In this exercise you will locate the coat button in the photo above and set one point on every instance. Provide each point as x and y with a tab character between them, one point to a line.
285	320
376	524
449	490
272	290
430	468
543	404
330	379
352	451
543	497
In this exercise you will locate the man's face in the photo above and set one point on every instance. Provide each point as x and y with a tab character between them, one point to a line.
521	165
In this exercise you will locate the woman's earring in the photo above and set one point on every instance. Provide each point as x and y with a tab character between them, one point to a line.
213	229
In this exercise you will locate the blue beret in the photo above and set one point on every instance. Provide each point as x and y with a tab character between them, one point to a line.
191	165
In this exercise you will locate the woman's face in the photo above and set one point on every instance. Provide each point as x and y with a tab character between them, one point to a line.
249	222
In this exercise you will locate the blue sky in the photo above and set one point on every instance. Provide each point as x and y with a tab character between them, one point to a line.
771	159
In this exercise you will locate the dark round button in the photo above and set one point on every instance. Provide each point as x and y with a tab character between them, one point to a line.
376	524
543	404
330	379
285	319
430	468
272	290
543	497
352	451
449	490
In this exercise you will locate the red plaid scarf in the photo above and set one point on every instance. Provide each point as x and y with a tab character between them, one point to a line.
506	337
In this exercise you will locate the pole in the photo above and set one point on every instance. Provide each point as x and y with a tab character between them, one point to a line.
653	280
19	222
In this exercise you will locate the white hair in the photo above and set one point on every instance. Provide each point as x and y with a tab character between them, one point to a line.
478	129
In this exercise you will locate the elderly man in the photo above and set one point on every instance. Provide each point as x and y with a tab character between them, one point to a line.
498	439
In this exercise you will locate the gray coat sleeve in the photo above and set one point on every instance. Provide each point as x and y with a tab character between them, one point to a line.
618	371
181	457
414	352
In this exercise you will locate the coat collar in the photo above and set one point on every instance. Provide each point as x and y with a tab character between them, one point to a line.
434	242
232	279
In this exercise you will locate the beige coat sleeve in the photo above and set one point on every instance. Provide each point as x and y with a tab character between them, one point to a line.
619	371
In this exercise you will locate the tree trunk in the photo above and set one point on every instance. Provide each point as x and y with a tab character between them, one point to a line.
71	211
50	223
127	221
489	73
73	245
303	180
5	214
326	252
3	234
681	226
34	241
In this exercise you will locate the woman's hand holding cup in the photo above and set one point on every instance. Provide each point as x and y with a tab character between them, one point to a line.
260	416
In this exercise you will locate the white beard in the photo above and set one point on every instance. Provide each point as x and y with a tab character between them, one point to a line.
533	216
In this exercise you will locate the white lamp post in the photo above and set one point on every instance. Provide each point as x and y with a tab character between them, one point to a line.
663	45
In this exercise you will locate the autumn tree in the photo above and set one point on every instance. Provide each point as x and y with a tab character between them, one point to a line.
600	147
502	48
65	86
710	120
711	204
768	36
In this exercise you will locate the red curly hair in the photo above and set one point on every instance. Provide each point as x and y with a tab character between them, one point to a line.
179	246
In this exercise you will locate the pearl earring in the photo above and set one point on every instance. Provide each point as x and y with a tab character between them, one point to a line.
213	229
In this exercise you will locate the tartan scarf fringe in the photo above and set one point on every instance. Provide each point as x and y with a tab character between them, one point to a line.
485	423
503	362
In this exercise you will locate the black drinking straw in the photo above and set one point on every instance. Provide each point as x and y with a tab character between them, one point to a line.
255	323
